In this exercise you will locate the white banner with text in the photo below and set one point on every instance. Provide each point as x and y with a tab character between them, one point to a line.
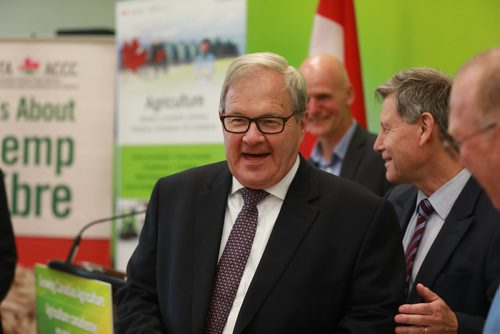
57	134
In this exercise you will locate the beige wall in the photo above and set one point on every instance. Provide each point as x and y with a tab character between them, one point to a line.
42	18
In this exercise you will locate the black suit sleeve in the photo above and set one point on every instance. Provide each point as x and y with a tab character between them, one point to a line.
472	323
138	310
8	254
377	287
469	324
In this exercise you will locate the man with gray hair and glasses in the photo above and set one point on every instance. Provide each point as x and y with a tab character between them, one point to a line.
475	119
475	125
263	242
451	229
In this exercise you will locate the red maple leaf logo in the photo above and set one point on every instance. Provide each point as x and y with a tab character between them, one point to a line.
133	56
29	66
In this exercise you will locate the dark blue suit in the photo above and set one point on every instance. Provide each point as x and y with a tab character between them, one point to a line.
463	264
324	268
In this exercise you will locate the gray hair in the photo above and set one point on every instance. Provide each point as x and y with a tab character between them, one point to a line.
488	90
419	90
251	64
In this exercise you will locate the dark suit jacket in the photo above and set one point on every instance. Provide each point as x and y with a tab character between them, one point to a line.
463	264
323	270
362	164
8	255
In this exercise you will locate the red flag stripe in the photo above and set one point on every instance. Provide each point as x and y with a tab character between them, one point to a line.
332	9
352	60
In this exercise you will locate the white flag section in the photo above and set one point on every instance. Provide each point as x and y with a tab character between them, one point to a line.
56	134
327	37
335	33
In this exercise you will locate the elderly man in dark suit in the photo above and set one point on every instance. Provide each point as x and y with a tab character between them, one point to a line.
8	254
343	147
475	125
452	234
263	242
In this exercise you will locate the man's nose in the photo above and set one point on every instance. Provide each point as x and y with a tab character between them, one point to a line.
253	134
378	145
313	105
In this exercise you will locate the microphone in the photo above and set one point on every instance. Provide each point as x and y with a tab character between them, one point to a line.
78	239
115	279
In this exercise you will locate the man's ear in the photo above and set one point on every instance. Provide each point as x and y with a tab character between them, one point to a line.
426	127
304	121
350	96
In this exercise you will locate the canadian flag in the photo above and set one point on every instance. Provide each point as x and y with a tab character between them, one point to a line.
334	32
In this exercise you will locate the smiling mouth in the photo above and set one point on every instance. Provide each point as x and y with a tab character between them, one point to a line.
318	119
255	155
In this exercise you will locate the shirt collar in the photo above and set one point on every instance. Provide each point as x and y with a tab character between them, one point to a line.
443	199
340	149
279	189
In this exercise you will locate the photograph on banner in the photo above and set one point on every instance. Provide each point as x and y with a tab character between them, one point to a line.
127	230
56	135
171	68
172	60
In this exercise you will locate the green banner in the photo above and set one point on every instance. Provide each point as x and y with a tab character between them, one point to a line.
393	35
146	164
70	304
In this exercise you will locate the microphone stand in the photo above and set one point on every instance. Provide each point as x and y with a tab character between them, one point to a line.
67	266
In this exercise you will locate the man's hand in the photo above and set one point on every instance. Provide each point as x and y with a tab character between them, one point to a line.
431	317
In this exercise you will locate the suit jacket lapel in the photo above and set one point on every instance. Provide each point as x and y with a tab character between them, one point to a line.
454	228
354	153
293	222
210	209
404	203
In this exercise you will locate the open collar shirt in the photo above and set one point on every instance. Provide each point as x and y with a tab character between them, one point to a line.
333	166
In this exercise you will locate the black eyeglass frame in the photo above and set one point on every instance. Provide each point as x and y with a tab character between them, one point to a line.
256	120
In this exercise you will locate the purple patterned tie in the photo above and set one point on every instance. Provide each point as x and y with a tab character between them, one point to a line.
424	210
233	261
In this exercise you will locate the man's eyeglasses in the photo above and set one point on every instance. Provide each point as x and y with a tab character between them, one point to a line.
476	133
266	124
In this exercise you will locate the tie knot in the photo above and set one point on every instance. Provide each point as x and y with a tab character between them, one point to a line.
252	197
334	159
425	208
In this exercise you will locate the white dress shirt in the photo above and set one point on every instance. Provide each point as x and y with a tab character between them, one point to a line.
269	208
442	201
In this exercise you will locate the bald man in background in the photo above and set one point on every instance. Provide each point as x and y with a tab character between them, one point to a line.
343	147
